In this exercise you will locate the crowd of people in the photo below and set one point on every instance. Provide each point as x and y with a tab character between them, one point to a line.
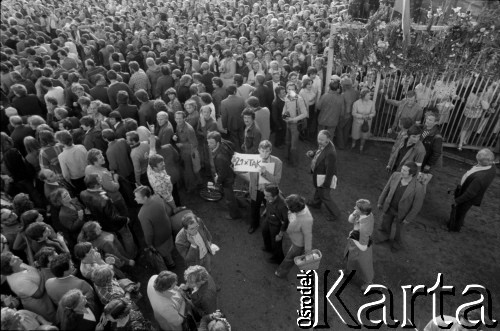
113	111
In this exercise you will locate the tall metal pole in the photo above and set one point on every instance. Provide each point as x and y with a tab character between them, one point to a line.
329	66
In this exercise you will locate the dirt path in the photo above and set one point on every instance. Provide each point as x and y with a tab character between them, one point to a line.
254	299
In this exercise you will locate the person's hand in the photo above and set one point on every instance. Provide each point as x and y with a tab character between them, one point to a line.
184	287
427	168
420	176
191	240
60	237
116	177
174	137
310	154
216	179
389	131
152	140
388	169
110	260
131	263
386	97
80	214
379	206
262	170
405	221
75	104
278	237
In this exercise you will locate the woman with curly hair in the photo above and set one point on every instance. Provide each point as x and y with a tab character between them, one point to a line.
75	313
122	316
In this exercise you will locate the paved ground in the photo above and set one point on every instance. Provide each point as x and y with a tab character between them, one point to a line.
254	299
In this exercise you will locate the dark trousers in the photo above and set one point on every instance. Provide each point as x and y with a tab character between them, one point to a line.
312	123
288	262
344	132
237	137
322	195
231	202
175	195
457	216
79	185
384	232
255	209
269	232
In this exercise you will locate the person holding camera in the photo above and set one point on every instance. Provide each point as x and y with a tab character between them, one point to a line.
324	165
294	112
358	252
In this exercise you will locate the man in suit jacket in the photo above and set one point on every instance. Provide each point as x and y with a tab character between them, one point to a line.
155	223
324	162
194	241
231	109
263	93
401	200
116	123
271	85
116	86
222	152
472	187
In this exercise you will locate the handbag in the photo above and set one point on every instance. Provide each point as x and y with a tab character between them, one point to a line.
365	127
189	322
155	260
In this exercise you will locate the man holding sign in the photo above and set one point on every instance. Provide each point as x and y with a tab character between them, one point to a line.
269	172
324	170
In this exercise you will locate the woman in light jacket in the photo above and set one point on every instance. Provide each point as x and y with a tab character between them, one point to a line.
362	110
358	252
299	231
228	68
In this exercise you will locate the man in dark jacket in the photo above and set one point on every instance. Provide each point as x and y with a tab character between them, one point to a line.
470	191
100	205
222	152
275	224
263	93
231	109
93	137
433	142
116	86
324	170
100	91
279	124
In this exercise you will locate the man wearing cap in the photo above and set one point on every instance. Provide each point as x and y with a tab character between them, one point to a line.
410	149
345	123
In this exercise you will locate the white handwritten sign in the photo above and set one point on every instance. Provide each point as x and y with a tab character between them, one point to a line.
246	162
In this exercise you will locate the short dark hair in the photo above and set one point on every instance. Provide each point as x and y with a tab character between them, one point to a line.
35	230
217	81
64	138
248	112
92	180
273	189
145	191
60	264
164	281
81	249
231	89
108	134
87	121
295	203
215	135
412	167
